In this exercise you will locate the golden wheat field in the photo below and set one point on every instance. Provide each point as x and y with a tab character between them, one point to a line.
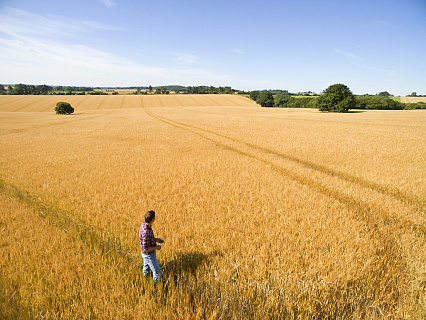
266	213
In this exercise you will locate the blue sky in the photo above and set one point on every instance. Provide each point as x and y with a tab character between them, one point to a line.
370	46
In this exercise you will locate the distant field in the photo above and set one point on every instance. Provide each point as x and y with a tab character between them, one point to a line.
412	99
31	103
267	213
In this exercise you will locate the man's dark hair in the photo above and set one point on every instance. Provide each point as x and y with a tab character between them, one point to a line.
149	216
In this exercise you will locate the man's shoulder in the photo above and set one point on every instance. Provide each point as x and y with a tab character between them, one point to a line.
144	227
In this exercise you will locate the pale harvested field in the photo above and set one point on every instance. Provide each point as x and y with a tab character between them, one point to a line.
266	213
412	99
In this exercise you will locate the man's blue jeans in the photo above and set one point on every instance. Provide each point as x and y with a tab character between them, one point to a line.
150	263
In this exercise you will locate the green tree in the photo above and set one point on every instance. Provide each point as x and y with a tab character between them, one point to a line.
384	94
44	89
282	100
336	98
265	99
377	103
253	95
19	89
64	108
150	88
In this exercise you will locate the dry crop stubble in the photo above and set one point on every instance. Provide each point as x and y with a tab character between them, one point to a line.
250	231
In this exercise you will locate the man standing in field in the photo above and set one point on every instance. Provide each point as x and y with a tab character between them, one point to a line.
149	247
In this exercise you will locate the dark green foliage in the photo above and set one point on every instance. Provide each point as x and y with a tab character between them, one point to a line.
72	89
336	98
305	102
162	90
285	100
265	99
19	89
413	106
175	88
282	100
384	94
378	103
29	89
63	108
253	95
211	89
96	93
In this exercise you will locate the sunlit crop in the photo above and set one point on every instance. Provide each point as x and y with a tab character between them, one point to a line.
266	213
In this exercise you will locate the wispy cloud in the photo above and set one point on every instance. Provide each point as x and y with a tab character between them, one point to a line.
48	49
348	55
237	51
16	22
364	65
108	3
184	58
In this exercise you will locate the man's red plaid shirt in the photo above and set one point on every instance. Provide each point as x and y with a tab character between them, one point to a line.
146	237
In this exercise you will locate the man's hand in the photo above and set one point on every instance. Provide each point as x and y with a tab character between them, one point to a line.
159	240
151	249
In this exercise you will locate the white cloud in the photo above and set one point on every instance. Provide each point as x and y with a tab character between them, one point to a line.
184	58
37	49
348	54
16	22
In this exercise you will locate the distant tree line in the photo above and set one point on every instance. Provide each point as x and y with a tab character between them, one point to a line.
185	90
174	88
162	91
336	98
73	89
208	90
20	89
414	94
24	89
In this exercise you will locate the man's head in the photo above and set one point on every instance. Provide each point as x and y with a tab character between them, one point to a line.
150	216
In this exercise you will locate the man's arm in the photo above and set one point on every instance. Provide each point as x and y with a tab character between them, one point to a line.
151	249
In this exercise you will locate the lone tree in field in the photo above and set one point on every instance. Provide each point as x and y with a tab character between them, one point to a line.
63	108
337	98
